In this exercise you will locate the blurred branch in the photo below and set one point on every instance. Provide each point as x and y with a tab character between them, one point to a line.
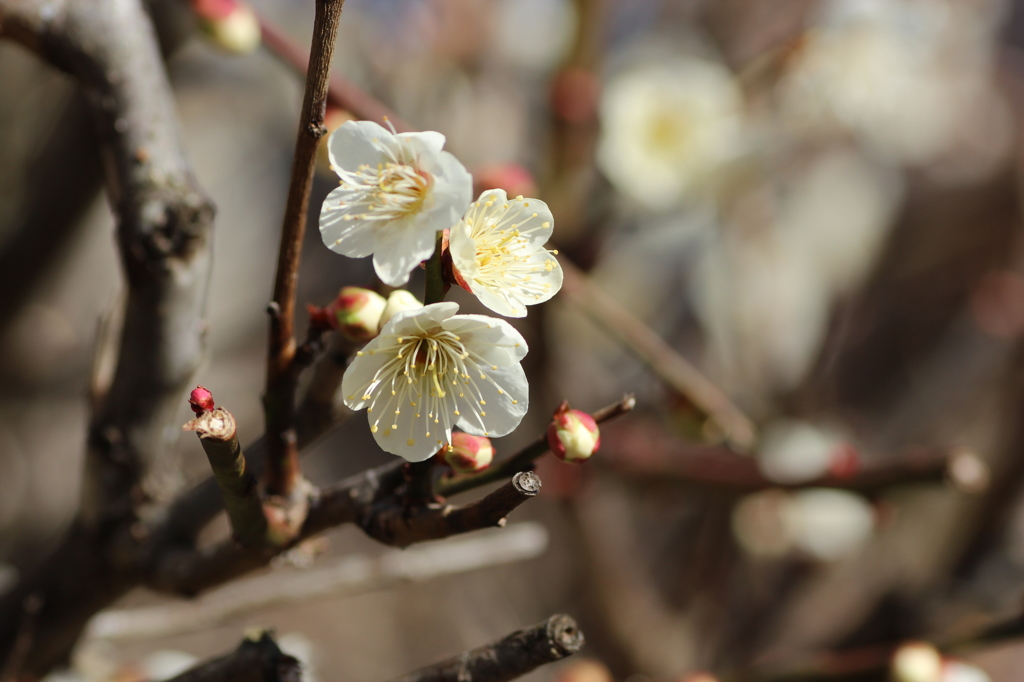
580	291
342	93
163	224
346	576
257	659
283	473
217	434
866	664
67	160
719	468
508	658
525	457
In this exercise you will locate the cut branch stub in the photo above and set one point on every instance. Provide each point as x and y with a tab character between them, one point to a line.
510	657
217	434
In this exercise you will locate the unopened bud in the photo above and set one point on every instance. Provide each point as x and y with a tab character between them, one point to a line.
573	435
511	177
917	662
200	400
356	313
230	24
467	454
398	301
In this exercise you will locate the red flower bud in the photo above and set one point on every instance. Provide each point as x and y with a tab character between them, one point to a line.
356	313
573	435
230	24
200	400
468	454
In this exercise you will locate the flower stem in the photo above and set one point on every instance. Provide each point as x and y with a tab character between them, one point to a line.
283	470
435	289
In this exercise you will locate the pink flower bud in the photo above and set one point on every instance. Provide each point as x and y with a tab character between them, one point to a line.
573	435
468	454
511	177
230	24
356	313
200	400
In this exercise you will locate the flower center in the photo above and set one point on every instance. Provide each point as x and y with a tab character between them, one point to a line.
504	255
428	375
388	192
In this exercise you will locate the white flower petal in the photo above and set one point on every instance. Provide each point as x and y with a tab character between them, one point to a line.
398	247
419	320
430	369
498	342
506	397
463	250
423	148
396	192
353	238
450	194
361	373
355	143
506	266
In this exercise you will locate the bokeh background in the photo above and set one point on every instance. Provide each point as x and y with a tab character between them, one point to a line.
815	202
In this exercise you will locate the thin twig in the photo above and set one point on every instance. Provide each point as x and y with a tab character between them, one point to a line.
283	470
580	291
218	436
508	658
372	500
525	457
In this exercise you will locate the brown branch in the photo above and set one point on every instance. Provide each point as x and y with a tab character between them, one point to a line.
257	659
374	500
508	658
217	434
341	93
283	471
163	224
580	291
525	457
317	414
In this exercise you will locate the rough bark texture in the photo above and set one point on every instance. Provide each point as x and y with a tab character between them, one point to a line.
508	658
163	224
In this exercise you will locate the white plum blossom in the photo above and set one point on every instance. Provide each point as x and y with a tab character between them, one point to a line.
430	370
397	191
668	128
498	253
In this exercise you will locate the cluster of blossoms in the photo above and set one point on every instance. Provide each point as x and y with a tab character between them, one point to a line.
427	369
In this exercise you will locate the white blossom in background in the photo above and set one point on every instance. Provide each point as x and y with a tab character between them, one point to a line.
905	76
827	524
822	523
796	451
958	671
498	253
668	128
430	370
397	191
